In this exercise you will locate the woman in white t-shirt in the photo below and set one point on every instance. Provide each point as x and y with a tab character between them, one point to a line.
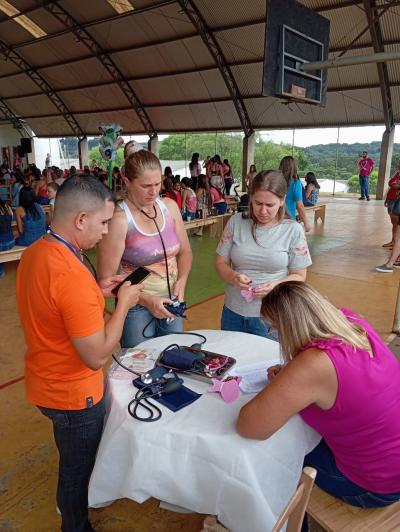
257	251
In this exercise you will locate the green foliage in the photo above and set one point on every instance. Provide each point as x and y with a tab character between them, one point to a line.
94	155
354	185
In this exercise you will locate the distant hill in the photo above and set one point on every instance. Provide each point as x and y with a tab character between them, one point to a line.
323	158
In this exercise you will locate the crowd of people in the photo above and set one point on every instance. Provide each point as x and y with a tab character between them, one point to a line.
338	374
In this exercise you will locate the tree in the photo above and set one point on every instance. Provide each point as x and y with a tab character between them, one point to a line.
354	182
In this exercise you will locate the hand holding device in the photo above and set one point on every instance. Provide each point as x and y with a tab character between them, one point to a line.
128	294
177	308
136	277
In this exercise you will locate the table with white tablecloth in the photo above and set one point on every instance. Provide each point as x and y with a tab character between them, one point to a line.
194	458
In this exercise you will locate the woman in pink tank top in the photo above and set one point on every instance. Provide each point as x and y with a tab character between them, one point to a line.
345	383
147	231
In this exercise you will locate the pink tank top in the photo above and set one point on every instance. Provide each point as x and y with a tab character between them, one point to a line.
362	429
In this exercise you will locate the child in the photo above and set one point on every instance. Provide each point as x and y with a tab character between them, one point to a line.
31	221
189	200
52	189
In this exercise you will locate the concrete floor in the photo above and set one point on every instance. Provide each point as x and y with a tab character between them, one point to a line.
345	251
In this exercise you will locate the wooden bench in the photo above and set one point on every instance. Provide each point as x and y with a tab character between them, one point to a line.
12	254
215	224
336	516
319	211
232	203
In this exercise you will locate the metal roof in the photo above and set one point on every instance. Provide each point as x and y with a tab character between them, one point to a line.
184	65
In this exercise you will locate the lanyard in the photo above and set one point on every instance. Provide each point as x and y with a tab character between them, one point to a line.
81	256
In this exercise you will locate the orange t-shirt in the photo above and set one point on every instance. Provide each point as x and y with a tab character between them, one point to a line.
58	299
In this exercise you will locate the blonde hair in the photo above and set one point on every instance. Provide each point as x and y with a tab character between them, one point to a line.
302	315
288	167
138	162
267	181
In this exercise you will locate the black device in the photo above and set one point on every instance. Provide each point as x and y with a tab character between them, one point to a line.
177	308
26	145
135	277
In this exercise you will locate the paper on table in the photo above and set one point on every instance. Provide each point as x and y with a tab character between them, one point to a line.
254	376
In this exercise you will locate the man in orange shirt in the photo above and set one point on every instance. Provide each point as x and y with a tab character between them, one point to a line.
61	310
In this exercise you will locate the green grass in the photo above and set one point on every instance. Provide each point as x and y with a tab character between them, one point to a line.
203	280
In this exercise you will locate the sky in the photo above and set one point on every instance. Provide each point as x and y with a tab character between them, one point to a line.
310	137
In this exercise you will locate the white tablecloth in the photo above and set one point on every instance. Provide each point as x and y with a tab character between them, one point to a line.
194	458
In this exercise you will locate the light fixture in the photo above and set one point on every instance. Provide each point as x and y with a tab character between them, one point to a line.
121	6
22	20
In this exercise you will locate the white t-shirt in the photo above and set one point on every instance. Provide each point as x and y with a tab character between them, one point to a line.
279	248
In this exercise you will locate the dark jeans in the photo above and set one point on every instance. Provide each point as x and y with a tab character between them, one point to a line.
331	480
77	435
364	186
221	207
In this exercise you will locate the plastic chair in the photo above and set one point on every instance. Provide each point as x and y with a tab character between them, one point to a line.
295	509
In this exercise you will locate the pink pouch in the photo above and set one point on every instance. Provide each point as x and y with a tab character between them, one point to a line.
247	294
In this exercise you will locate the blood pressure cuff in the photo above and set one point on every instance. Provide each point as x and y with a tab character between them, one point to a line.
173	401
180	358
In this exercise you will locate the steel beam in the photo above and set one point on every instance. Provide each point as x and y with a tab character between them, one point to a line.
105	59
10	116
198	21
10	55
373	15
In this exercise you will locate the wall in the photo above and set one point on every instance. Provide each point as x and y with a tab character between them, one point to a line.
40	149
9	137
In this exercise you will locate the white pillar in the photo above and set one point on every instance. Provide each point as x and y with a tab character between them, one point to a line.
83	151
152	145
248	156
385	162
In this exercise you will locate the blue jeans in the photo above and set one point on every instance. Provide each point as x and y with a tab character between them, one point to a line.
364	186
230	321
4	246
139	320
77	435
331	480
221	207
188	216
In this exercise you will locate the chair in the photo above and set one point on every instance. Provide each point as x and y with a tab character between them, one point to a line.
293	513
295	509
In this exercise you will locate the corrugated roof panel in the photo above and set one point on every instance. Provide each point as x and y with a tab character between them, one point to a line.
17	85
88	10
106	97
206	116
242	44
353	76
83	72
33	106
62	48
127	119
395	91
389	23
184	87
346	24
227	12
50	127
135	30
248	78
161	59
362	106
393	67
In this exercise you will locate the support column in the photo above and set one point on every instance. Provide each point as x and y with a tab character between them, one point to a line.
83	152
385	162
248	156
152	145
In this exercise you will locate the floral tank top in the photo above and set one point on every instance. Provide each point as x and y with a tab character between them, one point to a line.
145	249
